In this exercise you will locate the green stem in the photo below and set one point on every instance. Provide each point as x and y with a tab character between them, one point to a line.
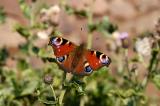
65	78
32	17
61	97
53	92
152	66
127	64
89	42
63	91
142	60
90	21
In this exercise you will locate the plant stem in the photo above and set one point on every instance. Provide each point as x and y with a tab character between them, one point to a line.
67	78
151	68
89	42
61	97
127	64
90	21
53	92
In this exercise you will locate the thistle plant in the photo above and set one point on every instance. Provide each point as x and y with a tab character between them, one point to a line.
120	84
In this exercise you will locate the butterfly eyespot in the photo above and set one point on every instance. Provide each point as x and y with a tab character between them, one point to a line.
104	59
61	59
57	41
87	68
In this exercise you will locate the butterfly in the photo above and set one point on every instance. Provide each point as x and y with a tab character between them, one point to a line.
77	59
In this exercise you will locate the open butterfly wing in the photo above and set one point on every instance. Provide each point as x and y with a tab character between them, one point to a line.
77	59
97	59
61	46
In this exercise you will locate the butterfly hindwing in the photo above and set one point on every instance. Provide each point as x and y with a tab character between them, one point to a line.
80	65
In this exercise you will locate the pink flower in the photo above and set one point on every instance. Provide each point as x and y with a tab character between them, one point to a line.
123	35
121	39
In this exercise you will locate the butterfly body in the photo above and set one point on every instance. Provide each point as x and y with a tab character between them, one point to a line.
77	59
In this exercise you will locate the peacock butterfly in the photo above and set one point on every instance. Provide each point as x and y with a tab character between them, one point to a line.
77	59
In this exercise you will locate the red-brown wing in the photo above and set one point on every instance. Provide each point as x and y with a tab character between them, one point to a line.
90	61
61	46
76	59
66	64
80	68
63	50
97	59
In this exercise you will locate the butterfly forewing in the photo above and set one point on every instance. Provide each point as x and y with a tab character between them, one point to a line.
61	46
94	58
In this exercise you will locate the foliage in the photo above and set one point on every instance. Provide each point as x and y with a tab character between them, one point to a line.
2	15
48	85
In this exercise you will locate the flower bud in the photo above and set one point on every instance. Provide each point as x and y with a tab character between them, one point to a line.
48	79
124	39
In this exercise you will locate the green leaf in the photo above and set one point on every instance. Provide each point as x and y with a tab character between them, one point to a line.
78	88
92	27
81	13
17	88
156	80
22	64
26	9
22	30
29	88
35	50
3	55
68	9
47	102
2	15
106	27
42	53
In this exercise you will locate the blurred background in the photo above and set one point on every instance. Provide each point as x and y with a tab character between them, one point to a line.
131	16
127	31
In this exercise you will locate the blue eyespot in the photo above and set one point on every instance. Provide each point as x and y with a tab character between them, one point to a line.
104	59
56	41
88	69
61	59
